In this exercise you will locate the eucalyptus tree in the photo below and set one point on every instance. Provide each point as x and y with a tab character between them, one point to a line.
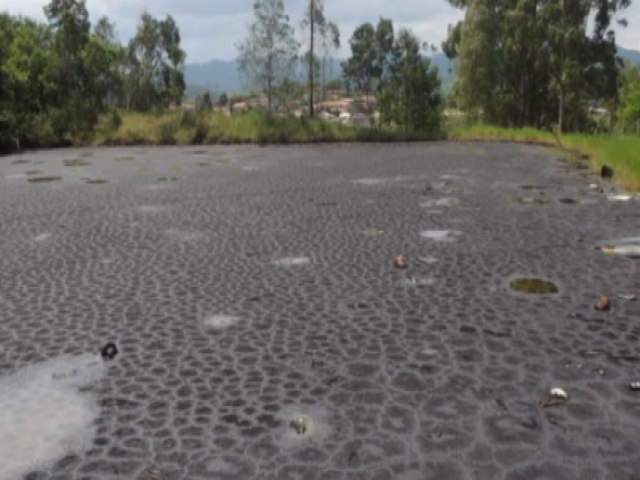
371	50
267	56
410	96
155	76
322	31
76	111
532	62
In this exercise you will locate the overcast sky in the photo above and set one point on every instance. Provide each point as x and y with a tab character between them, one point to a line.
211	28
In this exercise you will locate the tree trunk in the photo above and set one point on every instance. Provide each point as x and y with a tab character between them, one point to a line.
561	111
269	94
311	27
638	127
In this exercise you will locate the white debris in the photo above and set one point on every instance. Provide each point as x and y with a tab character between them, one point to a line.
220	322
620	198
439	235
42	237
292	262
559	394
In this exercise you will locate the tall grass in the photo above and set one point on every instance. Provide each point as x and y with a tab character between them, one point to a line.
622	152
188	127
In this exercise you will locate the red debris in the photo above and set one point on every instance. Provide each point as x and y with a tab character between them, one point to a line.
603	304
401	262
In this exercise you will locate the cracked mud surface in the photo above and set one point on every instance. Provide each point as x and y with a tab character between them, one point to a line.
264	333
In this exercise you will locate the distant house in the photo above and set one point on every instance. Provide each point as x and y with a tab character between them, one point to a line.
335	105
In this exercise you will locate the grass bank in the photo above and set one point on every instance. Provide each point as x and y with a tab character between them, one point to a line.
622	152
188	127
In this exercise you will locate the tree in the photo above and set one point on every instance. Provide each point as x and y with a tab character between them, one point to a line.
329	36
29	83
630	99
268	54
371	50
531	62
156	64
330	45
103	59
76	111
411	95
204	103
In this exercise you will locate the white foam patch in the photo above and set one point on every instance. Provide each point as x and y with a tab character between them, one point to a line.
428	260
440	235
292	262
220	322
185	235
417	282
43	414
43	237
440	202
371	181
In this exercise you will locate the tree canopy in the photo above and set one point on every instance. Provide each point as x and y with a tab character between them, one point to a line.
57	77
396	70
267	56
533	62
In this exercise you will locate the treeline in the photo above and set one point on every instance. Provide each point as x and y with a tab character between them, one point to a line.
392	73
56	78
534	63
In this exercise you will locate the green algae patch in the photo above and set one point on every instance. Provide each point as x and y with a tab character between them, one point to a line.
533	286
75	162
44	179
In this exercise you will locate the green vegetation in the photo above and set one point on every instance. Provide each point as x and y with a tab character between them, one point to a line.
532	63
266	58
255	126
394	69
620	151
629	108
57	78
533	286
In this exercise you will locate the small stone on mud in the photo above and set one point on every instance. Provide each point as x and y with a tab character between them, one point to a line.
555	397
400	262
299	425
109	351
604	304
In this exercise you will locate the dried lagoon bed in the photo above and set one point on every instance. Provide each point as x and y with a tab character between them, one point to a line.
246	291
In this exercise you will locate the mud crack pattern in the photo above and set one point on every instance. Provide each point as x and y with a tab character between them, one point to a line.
248	295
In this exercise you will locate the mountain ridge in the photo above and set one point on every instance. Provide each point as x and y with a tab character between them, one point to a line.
222	75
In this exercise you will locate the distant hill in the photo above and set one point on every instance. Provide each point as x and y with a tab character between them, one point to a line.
222	76
631	56
216	75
